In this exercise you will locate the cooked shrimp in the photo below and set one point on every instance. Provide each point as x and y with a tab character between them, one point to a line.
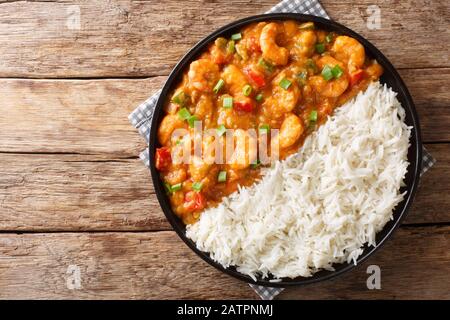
199	168
290	29
203	75
270	50
374	70
234	78
281	100
245	151
169	123
175	174
305	43
332	88
330	61
350	51
204	109
290	131
232	119
203	163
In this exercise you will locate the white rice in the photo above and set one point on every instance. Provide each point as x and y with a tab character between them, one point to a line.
321	205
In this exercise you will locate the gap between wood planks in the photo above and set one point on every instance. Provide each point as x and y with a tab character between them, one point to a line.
149	76
402	226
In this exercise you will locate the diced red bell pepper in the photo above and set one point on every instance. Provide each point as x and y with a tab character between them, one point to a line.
356	77
256	77
194	200
163	158
246	105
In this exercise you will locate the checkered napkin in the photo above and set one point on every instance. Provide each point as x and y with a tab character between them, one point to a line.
141	117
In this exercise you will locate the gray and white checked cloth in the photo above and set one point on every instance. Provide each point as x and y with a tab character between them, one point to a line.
141	117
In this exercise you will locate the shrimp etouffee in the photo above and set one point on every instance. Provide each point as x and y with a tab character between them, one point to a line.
281	75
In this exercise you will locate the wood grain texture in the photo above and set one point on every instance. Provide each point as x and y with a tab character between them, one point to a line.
108	38
73	116
82	193
414	265
68	161
68	192
90	116
158	265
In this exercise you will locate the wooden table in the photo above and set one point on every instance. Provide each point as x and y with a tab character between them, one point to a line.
76	203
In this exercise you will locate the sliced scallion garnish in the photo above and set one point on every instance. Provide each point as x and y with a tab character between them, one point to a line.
218	86
222	176
327	74
197	186
285	83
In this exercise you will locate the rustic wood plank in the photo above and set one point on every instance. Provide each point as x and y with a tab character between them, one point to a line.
90	116
75	116
431	205
414	265
158	265
68	192
428	88
111	38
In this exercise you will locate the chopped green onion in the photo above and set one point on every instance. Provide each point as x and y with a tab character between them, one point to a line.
191	121
176	187
301	77
313	116
221	130
231	47
320	48
259	97
329	37
197	186
222	176
218	86
256	164
307	26
247	90
337	71
178	142
311	65
236	36
180	98
285	83
266	65
184	114
264	129
167	187
327	74
228	102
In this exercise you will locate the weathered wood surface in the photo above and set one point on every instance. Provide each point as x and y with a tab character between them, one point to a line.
72	116
142	38
159	265
90	116
414	265
68	162
73	192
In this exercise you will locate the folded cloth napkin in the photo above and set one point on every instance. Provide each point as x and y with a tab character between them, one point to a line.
141	117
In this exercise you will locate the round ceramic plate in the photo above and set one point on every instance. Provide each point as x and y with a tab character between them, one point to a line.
389	77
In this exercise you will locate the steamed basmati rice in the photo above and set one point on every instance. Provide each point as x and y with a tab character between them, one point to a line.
321	205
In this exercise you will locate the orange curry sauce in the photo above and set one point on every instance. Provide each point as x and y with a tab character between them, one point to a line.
272	75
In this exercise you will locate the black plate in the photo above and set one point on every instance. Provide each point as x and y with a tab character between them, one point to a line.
390	77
